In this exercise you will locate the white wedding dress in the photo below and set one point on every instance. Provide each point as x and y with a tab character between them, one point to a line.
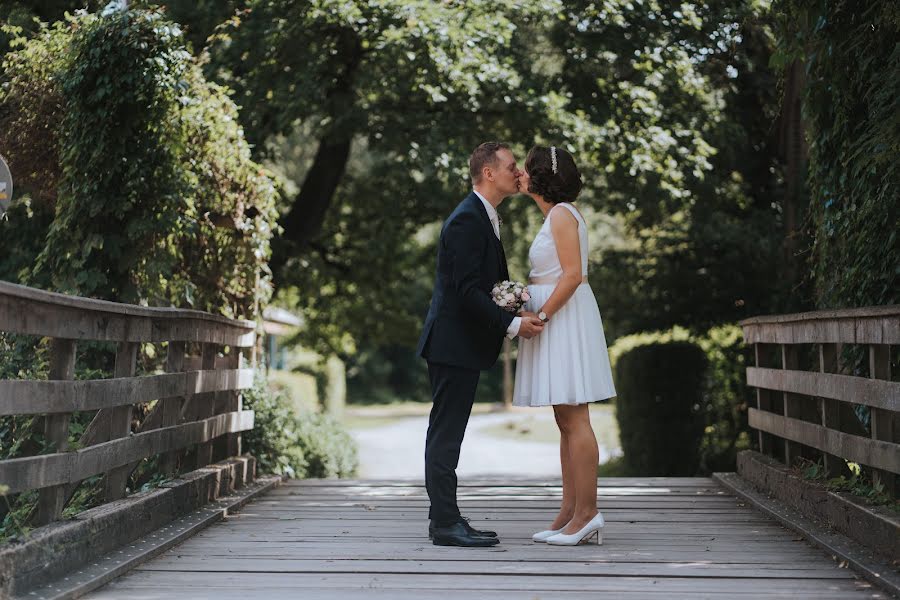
567	363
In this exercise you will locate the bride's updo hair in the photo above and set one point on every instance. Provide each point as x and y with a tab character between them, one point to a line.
562	186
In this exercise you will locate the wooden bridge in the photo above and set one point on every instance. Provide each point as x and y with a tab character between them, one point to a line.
217	531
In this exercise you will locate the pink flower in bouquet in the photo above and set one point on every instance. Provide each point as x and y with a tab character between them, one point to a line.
510	295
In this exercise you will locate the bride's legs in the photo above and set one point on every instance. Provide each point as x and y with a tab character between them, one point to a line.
567	507
584	456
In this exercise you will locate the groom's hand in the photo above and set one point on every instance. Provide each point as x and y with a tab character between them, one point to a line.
530	327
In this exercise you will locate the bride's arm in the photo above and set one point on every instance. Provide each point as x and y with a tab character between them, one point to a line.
564	227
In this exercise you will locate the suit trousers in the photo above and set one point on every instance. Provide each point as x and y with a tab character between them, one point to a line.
453	393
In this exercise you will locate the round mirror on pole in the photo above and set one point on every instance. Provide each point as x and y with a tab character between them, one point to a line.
6	186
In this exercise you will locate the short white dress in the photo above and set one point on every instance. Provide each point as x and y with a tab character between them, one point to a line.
568	362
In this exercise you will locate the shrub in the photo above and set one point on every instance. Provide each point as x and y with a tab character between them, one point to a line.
725	395
134	183
848	52
112	130
725	398
296	445
660	389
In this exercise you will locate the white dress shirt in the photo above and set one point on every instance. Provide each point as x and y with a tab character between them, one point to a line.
513	329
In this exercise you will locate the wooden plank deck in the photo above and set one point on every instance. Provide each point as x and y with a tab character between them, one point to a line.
340	539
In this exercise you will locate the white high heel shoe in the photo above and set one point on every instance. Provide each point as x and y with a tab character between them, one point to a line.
583	536
541	536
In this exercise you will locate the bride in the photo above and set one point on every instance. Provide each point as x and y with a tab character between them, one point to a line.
567	366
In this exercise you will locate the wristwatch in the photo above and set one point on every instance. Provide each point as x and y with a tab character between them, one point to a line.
543	317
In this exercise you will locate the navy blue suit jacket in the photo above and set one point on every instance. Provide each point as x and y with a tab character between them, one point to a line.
464	327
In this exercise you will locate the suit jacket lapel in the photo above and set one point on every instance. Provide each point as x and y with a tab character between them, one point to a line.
503	266
498	246
479	208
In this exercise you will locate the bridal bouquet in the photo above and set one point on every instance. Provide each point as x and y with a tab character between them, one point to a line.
510	295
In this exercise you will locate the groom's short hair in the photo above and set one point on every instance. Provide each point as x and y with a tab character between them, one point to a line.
484	154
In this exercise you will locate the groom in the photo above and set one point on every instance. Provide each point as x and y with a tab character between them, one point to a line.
464	331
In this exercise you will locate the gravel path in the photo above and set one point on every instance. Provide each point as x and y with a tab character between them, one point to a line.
397	449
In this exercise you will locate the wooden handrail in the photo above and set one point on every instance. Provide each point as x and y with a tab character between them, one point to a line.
197	401
878	312
872	325
30	311
811	413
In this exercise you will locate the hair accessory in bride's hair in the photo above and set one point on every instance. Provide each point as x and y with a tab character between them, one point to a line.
553	159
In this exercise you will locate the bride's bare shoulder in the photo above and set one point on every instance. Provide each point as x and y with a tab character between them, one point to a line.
562	215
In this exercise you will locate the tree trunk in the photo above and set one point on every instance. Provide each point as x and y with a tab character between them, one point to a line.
794	150
307	214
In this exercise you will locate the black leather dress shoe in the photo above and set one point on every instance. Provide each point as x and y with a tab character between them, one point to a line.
458	535
465	523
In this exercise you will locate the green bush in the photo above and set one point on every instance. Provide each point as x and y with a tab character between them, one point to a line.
848	53
134	183
134	180
725	396
660	389
298	446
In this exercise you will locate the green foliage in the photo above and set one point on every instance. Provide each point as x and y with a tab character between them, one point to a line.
365	67
629	94
722	409
329	449
304	445
134	183
614	467
660	389
858	484
320	74
88	494
662	105
726	397
699	195
25	15
16	512
20	358
26	357
154	195
852	63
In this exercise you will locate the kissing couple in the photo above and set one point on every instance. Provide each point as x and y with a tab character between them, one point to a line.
562	361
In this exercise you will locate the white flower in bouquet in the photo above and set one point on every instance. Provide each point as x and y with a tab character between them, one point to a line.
510	295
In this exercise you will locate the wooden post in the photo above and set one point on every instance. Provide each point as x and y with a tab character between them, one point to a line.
830	409
883	424
791	403
763	402
507	374
229	445
170	408
120	420
52	500
204	405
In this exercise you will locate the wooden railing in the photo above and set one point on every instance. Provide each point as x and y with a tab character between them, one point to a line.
813	370
197	416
